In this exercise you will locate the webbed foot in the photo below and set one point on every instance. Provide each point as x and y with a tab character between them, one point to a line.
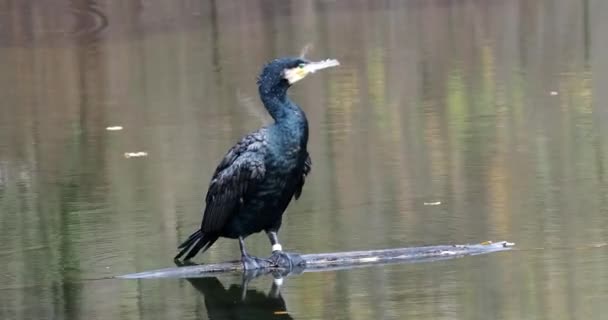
286	260
251	262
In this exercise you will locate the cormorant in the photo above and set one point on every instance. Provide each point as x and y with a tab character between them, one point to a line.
254	183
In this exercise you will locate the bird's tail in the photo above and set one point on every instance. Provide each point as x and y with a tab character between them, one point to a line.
196	242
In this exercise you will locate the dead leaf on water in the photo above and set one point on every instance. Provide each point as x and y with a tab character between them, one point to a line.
136	154
436	203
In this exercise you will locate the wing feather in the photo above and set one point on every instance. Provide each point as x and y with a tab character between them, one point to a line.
305	172
239	172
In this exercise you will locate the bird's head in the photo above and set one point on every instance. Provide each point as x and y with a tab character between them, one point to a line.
283	72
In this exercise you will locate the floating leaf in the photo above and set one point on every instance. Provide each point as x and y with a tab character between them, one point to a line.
436	203
136	154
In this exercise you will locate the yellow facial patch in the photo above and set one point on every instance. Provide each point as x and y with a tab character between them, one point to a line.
296	74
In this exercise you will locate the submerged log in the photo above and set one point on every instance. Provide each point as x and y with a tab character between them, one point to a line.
317	262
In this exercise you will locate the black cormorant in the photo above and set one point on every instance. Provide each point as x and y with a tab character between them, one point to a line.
257	178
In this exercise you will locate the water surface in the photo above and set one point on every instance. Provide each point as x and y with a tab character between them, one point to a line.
496	109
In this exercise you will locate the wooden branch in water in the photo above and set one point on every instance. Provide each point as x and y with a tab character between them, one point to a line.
317	262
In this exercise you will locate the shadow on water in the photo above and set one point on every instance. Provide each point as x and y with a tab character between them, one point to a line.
240	302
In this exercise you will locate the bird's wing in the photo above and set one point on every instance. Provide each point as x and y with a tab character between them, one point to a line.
240	170
305	172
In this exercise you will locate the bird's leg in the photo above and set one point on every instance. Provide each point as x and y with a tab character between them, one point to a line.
186	263
249	262
274	241
280	258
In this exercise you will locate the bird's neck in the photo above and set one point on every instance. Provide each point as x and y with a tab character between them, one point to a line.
276	101
288	117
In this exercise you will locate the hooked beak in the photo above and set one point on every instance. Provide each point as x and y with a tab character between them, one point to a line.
296	74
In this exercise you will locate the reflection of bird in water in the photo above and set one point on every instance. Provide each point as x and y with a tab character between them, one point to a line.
257	178
239	302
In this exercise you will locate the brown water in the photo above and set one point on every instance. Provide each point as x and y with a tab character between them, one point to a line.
496	109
